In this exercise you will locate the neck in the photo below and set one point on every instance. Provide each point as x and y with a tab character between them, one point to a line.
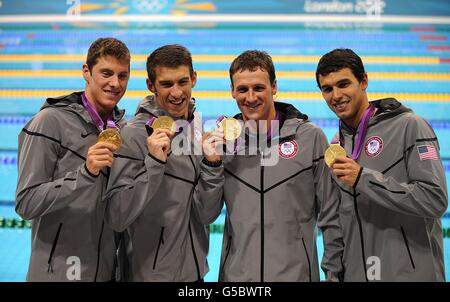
353	123
265	126
104	114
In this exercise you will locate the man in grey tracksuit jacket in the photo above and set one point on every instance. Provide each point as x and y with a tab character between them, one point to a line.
273	211
63	171
62	197
153	201
392	182
393	211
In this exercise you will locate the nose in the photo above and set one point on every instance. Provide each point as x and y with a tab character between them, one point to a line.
251	96
337	95
114	81
176	92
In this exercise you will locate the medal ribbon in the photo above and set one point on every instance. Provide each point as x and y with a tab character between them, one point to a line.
96	117
361	132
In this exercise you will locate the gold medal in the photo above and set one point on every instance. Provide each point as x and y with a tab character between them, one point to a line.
333	151
231	128
164	122
112	136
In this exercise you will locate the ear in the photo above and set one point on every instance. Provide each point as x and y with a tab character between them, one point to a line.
86	73
365	82
274	87
150	86
194	79
233	94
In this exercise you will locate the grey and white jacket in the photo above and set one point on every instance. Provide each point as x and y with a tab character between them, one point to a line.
391	217
69	239
273	211
153	201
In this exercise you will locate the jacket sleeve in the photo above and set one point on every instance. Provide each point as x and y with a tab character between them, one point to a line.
208	194
134	179
38	192
424	194
327	197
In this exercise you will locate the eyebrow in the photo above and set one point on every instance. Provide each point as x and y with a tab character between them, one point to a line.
344	80
111	71
105	69
171	81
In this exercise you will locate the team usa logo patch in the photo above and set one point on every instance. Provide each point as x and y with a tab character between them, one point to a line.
288	149
373	146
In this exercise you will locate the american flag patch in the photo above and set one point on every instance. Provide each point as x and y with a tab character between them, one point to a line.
427	152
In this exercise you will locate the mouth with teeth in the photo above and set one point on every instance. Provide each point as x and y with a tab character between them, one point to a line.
111	92
341	106
176	102
253	106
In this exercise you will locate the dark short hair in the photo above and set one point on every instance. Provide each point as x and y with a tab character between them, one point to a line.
252	60
338	59
103	47
171	56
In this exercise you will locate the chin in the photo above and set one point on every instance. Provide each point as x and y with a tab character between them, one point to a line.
177	113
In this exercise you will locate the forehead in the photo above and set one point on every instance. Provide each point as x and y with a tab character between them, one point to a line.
247	77
172	73
109	62
334	77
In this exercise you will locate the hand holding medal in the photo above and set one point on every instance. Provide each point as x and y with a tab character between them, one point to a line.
158	143
332	152
101	155
347	169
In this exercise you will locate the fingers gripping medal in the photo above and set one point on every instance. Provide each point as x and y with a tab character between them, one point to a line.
231	128
164	122
112	136
333	151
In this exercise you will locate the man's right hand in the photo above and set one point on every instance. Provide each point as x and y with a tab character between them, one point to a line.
158	144
213	145
99	156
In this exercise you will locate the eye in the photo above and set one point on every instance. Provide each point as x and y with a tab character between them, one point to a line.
166	84
259	88
326	89
343	84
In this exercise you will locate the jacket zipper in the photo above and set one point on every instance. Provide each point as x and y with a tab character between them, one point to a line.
361	236
228	249
99	246
358	219
262	223
161	241
194	254
307	258
55	241
407	247
199	277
